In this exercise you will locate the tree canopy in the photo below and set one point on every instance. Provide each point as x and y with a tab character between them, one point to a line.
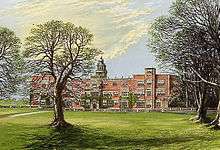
63	51
9	61
188	40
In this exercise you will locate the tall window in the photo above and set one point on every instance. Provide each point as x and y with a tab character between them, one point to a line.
158	103
140	83
140	92
160	91
149	81
115	93
140	104
160	82
149	92
125	93
124	84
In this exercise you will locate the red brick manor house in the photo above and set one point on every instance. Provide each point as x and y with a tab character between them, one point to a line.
153	90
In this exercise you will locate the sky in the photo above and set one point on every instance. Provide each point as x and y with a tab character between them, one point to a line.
120	27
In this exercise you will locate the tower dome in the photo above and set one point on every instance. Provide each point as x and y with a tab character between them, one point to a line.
101	70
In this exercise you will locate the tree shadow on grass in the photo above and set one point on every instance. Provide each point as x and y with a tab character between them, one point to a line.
78	137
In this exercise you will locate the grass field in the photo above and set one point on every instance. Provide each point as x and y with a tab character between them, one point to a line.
107	131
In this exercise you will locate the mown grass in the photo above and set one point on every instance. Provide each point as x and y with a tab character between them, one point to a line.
107	131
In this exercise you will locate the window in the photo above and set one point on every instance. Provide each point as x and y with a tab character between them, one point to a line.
124	93
108	94
125	84
140	92
140	83
87	89
160	92
87	92
110	103
148	103
148	91
158	103
94	85
115	93
160	81
94	93
149	81
105	92
149	71
114	83
140	104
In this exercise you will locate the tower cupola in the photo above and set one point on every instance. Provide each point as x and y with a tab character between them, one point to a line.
101	70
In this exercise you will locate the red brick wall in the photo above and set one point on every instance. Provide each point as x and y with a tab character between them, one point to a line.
160	85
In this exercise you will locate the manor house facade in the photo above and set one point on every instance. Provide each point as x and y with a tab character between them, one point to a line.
153	90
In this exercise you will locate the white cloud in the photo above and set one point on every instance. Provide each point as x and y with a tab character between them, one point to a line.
116	24
127	41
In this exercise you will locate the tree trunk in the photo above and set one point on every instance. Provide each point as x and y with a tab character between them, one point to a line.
59	121
100	102
187	97
216	121
202	112
31	98
201	116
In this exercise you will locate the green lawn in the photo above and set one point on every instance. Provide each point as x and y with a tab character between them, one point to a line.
107	131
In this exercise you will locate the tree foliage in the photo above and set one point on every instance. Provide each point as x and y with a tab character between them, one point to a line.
131	98
10	61
63	51
188	40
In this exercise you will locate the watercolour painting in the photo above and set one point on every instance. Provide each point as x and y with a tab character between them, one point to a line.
109	74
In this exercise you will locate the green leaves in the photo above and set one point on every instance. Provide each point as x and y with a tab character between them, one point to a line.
61	49
10	61
190	28
132	99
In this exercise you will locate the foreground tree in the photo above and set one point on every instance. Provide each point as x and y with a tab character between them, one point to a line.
188	39
62	51
9	61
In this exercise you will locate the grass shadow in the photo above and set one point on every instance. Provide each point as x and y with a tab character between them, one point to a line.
82	137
